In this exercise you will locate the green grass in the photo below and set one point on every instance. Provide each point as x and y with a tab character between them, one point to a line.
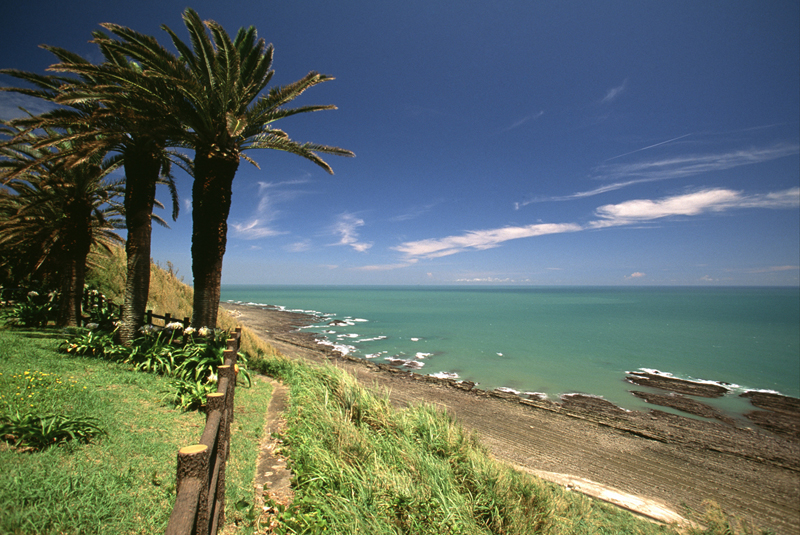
124	481
360	466
363	467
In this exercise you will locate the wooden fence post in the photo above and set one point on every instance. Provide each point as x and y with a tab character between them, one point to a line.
192	474
205	515
217	403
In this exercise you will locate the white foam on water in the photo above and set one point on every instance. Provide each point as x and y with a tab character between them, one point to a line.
422	355
507	390
445	375
573	394
376	339
341	348
541	396
727	386
411	364
762	391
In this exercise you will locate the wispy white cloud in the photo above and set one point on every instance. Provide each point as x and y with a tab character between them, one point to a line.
691	204
635	275
624	175
614	92
522	121
346	227
480	239
693	164
388	267
633	212
414	213
505	280
254	229
270	196
299	247
581	194
649	147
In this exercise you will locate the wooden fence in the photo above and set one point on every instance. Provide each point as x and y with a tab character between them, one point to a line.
200	503
92	299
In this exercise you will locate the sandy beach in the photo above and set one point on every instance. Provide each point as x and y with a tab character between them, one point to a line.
657	464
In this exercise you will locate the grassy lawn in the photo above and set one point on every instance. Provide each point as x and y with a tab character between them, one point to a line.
124	480
362	467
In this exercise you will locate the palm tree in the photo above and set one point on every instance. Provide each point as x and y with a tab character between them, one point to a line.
115	107
56	213
220	82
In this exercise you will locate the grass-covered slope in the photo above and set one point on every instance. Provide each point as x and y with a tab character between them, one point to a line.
362	466
168	294
122	481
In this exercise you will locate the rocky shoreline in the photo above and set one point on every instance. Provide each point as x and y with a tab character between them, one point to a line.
752	472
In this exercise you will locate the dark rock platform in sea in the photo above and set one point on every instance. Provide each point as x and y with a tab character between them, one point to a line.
782	414
682	403
679	386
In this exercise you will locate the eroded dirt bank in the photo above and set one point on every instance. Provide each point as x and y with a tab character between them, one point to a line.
661	457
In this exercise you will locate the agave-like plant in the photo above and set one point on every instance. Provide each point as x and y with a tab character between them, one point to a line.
36	431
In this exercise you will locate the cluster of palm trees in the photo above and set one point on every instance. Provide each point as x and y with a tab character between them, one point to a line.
142	108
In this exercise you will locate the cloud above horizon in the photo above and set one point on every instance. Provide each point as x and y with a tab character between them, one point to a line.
652	170
638	211
692	164
346	227
480	239
614	92
270	195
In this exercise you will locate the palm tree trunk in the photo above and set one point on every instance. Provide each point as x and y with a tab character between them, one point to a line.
211	203
73	270
69	307
141	173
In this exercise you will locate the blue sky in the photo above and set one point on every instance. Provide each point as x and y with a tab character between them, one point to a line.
513	142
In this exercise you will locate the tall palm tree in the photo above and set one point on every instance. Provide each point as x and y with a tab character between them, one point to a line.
56	213
220	83
117	109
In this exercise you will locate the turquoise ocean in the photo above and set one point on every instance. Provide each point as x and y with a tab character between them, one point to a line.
560	340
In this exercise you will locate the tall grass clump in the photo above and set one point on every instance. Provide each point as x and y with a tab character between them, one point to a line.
363	467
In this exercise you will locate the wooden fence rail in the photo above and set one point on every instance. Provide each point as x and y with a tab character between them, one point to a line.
200	503
97	299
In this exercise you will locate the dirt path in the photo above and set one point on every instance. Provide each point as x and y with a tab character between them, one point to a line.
654	463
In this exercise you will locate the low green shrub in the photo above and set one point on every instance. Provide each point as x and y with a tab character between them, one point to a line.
96	343
189	395
34	431
35	311
189	357
102	315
